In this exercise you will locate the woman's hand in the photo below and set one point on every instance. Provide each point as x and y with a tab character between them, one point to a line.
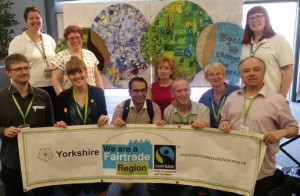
61	124
103	120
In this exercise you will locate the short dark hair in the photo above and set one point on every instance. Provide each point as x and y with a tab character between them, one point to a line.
253	57
30	9
72	29
75	65
14	58
268	30
138	79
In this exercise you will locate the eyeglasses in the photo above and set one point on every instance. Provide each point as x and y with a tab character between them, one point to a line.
256	17
137	91
20	69
74	38
211	75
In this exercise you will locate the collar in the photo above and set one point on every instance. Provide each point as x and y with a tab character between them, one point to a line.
263	91
261	42
131	105
192	110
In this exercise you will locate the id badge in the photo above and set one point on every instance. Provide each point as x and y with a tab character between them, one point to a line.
24	125
244	128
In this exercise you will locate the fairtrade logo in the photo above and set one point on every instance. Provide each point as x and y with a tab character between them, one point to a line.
165	157
45	154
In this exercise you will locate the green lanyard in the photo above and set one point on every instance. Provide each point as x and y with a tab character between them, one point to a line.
42	52
132	117
252	52
181	117
246	107
84	119
19	108
217	115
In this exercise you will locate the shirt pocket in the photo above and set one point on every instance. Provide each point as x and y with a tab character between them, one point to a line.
37	117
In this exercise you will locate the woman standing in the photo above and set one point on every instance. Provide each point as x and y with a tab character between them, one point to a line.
214	98
160	91
261	41
74	37
81	104
38	48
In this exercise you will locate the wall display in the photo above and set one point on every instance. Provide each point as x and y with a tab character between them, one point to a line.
220	42
133	34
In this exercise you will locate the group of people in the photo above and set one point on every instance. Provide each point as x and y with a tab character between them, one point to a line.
71	81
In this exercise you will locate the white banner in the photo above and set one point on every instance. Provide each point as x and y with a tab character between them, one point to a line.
140	153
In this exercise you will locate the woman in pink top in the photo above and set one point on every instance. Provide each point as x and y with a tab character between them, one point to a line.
160	91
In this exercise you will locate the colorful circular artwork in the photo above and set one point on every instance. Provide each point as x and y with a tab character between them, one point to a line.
121	26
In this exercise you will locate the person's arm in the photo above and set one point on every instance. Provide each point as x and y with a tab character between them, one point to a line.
287	76
117	116
149	93
98	78
274	136
57	80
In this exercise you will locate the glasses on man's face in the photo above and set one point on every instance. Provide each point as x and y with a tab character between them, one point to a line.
137	91
256	17
20	69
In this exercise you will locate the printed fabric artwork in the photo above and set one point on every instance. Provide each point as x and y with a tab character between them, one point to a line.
174	32
220	42
121	26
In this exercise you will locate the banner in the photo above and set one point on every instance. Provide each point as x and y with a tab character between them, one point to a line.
142	154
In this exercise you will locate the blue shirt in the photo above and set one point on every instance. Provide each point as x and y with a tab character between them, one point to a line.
208	99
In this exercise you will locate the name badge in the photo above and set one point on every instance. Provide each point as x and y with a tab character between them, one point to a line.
38	107
244	128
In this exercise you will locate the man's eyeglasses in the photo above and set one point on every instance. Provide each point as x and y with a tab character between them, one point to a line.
20	69
256	17
137	91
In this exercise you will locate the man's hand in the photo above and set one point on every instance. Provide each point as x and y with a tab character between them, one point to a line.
199	124
119	122
161	123
11	132
225	126
274	136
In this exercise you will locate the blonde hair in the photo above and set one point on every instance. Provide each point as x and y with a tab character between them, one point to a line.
215	65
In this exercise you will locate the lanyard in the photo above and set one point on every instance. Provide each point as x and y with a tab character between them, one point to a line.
42	52
132	117
252	52
86	106
217	115
19	108
181	117
246	107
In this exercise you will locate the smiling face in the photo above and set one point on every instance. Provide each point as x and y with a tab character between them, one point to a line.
19	72
34	21
181	91
215	76
78	78
252	72
257	22
138	92
74	41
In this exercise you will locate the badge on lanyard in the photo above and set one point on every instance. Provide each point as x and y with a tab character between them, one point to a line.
244	128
